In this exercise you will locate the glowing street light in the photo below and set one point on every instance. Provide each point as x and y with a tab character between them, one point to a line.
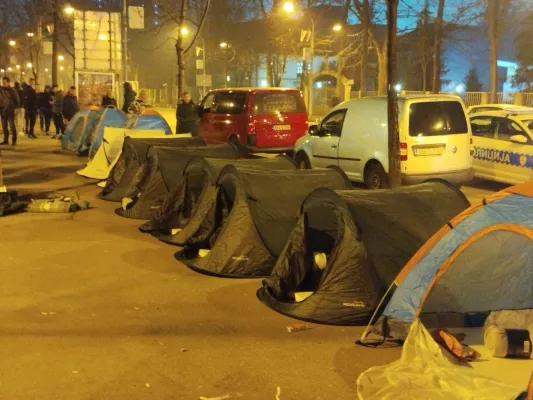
29	65
9	69
2	70
61	68
102	36
12	43
337	27
46	70
288	7
69	10
17	66
60	57
398	87
30	34
223	45
184	31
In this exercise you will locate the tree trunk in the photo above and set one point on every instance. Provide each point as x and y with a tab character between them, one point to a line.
382	68
269	69
435	87
392	98
55	43
180	80
365	21
494	38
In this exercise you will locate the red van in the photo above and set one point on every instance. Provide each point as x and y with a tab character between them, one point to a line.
266	120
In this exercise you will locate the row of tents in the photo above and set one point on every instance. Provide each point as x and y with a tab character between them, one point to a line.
326	252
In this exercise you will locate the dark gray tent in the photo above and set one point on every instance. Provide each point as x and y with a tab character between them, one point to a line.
134	152
252	216
365	239
162	172
194	196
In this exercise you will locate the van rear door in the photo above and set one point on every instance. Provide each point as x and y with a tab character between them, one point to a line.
278	119
437	138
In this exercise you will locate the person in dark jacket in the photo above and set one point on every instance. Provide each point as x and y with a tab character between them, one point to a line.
70	104
30	108
129	97
44	102
187	116
7	113
19	111
57	111
109	100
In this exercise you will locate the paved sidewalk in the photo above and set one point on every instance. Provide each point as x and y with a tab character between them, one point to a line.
93	309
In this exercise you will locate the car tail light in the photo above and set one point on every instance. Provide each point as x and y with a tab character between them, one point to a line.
403	151
251	127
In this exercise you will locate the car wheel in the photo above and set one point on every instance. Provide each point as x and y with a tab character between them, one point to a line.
375	176
302	161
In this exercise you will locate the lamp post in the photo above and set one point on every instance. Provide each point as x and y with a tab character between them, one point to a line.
289	8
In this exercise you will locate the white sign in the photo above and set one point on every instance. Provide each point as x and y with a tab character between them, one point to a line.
136	17
203	80
199	64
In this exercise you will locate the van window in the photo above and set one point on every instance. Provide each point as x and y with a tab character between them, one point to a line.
229	103
437	118
273	103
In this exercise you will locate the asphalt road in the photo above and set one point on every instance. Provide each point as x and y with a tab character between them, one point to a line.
93	309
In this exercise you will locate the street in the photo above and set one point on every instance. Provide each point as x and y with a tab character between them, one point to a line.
94	309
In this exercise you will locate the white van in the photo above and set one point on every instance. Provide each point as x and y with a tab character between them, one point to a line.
435	140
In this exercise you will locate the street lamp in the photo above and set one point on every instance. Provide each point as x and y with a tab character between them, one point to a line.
289	8
60	57
9	69
30	34
29	65
69	10
184	31
2	70
17	66
12	43
223	45
61	68
337	27
46	70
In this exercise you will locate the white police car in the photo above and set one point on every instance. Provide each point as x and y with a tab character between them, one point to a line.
503	145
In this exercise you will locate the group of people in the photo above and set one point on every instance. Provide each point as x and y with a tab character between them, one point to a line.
22	104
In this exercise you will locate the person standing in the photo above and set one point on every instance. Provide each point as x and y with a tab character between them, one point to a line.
109	100
57	111
187	116
129	97
70	104
30	108
20	118
9	102
44	101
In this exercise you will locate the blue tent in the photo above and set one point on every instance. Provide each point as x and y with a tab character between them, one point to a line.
481	261
77	128
149	119
92	138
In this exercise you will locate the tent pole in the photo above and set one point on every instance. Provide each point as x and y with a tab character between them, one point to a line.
368	327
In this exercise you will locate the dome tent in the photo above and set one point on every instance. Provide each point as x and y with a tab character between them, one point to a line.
193	198
77	127
474	274
106	117
152	118
161	173
251	217
133	155
100	165
366	236
447	274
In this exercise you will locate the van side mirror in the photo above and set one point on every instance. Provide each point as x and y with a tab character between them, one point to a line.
313	130
519	139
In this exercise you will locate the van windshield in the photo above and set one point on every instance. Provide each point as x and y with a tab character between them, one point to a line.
437	118
274	103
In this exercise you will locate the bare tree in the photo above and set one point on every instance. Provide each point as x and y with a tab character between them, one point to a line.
436	54
496	12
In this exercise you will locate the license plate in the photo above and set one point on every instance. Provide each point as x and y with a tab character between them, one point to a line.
281	127
429	151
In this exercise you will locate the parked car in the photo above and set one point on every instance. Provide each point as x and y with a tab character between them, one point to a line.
435	140
496	107
503	146
267	120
